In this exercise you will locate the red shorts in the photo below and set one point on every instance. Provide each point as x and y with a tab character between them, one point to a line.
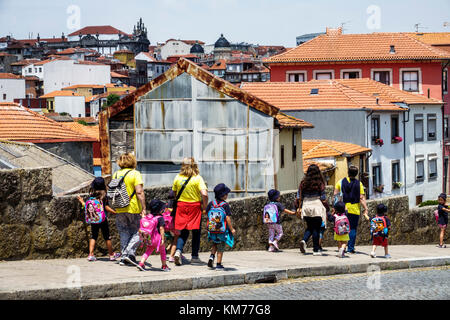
380	241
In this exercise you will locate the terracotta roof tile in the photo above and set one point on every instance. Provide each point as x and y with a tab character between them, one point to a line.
433	38
90	131
18	123
331	95
287	121
323	166
93	30
360	47
60	93
313	149
9	76
219	65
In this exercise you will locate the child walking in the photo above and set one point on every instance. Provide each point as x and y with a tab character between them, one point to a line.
379	228
171	233
341	227
95	210
271	217
442	218
151	232
219	225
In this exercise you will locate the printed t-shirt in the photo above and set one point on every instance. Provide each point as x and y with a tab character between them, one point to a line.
132	179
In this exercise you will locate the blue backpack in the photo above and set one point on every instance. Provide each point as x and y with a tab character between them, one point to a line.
217	222
270	213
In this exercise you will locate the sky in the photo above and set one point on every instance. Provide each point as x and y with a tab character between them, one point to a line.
264	22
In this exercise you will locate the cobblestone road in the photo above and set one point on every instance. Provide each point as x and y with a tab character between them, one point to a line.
421	283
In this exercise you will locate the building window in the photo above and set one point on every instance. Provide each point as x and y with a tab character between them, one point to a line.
445	80
394	127
410	81
40	69
395	173
323	76
351	75
375	128
432	166
376	175
420	169
282	157
418	127
30	70
431	127
4	96
296	76
382	76
294	145
446	128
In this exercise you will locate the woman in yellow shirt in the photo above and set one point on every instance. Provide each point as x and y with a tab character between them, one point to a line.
192	202
128	219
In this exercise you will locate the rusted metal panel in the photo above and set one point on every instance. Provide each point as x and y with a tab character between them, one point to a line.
163	114
163	145
104	143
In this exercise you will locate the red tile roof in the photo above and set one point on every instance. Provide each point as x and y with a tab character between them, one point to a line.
60	93
360	47
219	65
433	38
313	149
331	95
93	30
9	76
18	123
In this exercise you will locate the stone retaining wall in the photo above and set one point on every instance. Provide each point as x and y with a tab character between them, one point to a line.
36	225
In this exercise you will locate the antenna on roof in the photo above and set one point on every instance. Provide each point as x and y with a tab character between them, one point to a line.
417	26
343	24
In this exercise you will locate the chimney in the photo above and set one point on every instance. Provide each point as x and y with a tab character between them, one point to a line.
334	32
392	50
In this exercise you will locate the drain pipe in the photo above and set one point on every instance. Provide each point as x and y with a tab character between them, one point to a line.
404	148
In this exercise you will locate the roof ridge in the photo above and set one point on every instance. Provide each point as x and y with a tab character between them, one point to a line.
339	86
363	93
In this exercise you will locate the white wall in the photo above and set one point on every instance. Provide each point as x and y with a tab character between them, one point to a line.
429	188
37	71
74	105
12	88
173	48
63	73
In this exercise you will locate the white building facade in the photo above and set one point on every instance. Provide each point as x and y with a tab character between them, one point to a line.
11	87
59	74
73	105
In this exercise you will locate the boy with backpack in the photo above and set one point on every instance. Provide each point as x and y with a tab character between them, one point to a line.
219	225
379	230
151	234
271	217
95	209
341	227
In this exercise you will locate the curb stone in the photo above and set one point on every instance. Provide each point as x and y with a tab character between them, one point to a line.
97	291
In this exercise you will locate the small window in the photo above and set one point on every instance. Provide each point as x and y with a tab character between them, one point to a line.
410	81
324	76
418	127
446	128
351	75
395	174
282	157
30	70
394	127
296	77
431	127
375	128
40	69
376	175
294	145
420	169
432	167
382	76
445	80
4	96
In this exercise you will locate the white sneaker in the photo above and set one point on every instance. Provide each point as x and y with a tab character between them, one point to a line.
177	257
372	254
303	246
388	256
341	253
317	253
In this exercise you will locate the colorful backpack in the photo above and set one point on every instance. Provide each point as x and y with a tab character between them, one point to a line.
94	211
436	215
217	218
169	224
270	213
378	227
341	225
148	231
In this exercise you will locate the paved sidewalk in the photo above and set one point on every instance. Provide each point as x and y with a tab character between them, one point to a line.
81	279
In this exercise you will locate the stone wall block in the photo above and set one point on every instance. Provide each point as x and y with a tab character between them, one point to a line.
15	240
36	183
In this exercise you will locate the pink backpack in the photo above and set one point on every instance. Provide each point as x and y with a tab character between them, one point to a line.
169	224
341	225
148	231
436	215
94	211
